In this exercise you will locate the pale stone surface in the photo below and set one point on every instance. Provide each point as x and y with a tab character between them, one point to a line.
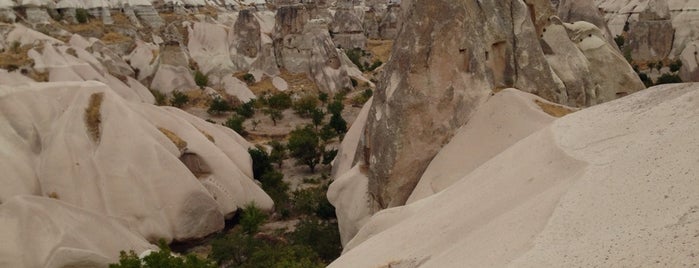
164	173
503	120
612	172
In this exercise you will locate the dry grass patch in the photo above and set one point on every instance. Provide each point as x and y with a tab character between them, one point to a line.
381	49
114	37
553	109
179	142
207	135
15	56
93	116
53	195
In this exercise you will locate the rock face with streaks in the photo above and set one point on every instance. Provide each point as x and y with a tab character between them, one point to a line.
450	56
656	29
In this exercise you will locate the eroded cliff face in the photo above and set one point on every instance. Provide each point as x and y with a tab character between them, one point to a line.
448	59
450	56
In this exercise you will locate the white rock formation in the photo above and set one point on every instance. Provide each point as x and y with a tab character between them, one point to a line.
161	172
611	185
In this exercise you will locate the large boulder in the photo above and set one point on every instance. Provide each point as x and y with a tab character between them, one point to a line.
347	30
576	193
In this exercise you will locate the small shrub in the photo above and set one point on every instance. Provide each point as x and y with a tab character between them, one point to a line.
249	78
235	123
329	156
355	55
273	184
261	162
81	15
620	41
179	99
645	79
659	65
279	101
360	99
675	66
219	106
327	133
160	98
247	109
376	64
336	107
251	219
160	259
201	79
668	79
317	116
15	47
323	97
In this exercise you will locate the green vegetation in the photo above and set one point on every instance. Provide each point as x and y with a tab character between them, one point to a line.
278	153
161	259
355	55
620	41
304	146
235	122
81	15
675	66
179	99
201	79
360	99
305	106
160	98
219	106
251	219
668	79
249	78
247	109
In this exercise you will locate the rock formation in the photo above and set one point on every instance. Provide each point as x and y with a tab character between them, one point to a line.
447	61
655	29
611	185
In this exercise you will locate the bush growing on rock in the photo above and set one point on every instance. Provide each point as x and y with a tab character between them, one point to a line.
252	218
160	98
81	15
249	78
201	79
219	106
179	99
235	122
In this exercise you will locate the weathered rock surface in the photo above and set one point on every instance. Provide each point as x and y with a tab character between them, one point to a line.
448	60
649	34
347	30
611	172
156	172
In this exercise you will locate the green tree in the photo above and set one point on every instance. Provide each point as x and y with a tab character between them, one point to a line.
278	153
179	99
261	162
304	146
273	184
81	15
201	79
279	101
305	106
675	66
247	109
620	41
323	97
336	107
321	236
219	106
338	124
329	156
274	115
252	218
235	122
317	116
